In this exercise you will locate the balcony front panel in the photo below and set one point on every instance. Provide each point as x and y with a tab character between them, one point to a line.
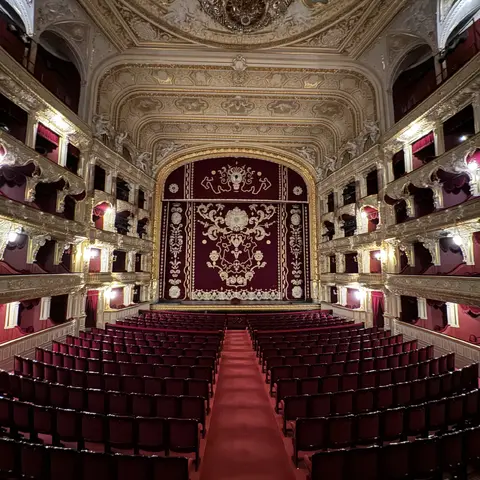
464	290
24	287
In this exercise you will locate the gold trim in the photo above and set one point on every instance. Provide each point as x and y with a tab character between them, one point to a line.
295	163
208	306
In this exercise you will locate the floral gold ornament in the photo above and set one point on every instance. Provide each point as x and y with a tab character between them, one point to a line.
237	234
245	16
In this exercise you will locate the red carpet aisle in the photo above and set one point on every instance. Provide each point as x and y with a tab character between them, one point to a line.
244	441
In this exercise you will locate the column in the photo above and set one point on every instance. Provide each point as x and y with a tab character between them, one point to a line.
31	136
361	181
422	308
45	304
342	295
476	111
62	150
408	157
340	261
452	315
439	138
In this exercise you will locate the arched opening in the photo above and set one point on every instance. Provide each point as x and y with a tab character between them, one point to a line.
56	68
12	33
98	214
415	80
233	230
462	44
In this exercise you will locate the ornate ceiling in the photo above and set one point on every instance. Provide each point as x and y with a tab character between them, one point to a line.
165	108
337	26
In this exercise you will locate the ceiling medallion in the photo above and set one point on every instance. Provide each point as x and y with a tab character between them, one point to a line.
245	16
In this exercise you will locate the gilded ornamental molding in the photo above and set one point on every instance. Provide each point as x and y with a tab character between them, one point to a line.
121	241
443	288
17	154
15	287
442	220
453	161
374	281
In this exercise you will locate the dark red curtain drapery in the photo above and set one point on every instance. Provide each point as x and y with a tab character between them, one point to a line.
46	133
378	308
91	308
423	142
472	311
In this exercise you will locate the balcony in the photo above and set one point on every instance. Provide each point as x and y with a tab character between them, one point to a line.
445	93
453	160
28	90
454	289
13	287
18	154
369	280
124	277
98	279
122	241
143	277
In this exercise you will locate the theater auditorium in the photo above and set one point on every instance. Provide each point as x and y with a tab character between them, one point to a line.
239	239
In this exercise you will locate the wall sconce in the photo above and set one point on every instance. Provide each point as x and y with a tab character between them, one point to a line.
473	166
363	214
12	236
110	294
457	240
359	294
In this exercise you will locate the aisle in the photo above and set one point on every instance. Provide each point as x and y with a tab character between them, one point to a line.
244	441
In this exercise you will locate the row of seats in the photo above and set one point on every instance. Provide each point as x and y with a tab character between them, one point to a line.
352	381
205	372
324	364
448	454
193	381
386	425
97	346
152	434
101	357
298	332
171	325
34	461
354	330
376	398
163	336
356	354
331	345
110	402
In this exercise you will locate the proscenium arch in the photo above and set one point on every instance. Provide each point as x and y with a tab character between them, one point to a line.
291	161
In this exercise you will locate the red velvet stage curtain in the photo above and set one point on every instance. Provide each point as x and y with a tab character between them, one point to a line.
91	308
378	308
